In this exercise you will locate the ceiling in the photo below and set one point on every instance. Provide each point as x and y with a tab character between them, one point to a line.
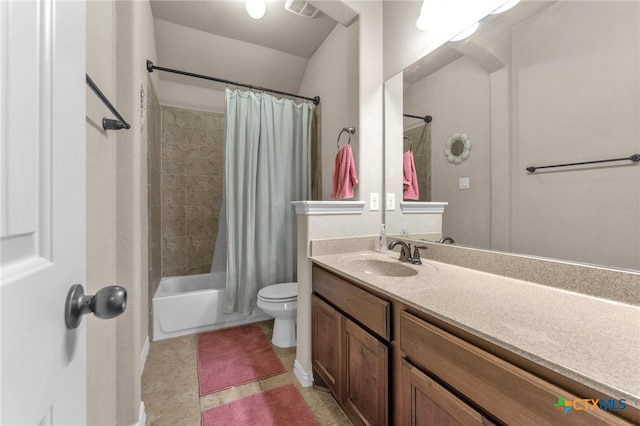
279	29
219	39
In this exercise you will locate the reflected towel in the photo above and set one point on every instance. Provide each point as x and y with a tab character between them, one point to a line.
343	176
409	177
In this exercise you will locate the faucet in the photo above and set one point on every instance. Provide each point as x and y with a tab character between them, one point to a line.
405	250
446	240
416	255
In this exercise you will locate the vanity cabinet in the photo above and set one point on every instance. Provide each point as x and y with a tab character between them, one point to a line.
496	388
424	371
350	346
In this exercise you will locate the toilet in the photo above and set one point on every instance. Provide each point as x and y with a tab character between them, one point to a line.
280	301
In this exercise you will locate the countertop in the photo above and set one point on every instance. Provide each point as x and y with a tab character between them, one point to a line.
591	340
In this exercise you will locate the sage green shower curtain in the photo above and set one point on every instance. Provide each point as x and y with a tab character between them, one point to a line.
267	149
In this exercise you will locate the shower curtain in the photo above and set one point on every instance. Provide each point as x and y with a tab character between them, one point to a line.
267	150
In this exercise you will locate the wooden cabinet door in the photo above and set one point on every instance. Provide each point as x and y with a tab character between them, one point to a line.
426	403
366	376
326	343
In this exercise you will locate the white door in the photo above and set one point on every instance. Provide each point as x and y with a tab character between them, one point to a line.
42	210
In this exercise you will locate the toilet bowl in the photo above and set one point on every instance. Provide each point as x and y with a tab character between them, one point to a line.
280	301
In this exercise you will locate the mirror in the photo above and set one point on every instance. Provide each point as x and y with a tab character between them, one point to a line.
541	84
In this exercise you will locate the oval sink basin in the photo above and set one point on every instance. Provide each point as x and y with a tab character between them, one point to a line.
382	268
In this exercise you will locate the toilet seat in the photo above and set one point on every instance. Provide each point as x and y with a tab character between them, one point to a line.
284	292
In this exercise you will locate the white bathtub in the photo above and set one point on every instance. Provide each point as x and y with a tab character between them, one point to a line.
192	304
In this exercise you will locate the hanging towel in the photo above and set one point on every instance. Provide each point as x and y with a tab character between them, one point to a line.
409	177
343	175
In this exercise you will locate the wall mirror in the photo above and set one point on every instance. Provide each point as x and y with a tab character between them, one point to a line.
542	83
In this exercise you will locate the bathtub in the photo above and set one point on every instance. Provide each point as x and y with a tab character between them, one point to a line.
192	304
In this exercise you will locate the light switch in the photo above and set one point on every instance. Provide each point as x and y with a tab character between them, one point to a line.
374	201
463	183
391	201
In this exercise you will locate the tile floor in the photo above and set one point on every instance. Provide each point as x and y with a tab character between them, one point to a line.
170	385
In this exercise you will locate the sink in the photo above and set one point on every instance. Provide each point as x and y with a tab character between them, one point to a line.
382	268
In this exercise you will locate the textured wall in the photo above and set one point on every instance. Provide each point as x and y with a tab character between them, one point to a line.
101	212
192	178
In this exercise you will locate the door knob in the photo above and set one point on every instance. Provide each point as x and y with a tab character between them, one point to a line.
108	302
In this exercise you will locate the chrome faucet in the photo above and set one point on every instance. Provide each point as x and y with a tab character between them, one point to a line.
405	250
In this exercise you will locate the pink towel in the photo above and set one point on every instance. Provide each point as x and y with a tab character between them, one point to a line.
343	175
409	177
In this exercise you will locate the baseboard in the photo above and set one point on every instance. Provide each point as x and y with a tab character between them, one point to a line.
143	355
304	377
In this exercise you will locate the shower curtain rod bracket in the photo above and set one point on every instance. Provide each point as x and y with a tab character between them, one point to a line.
426	118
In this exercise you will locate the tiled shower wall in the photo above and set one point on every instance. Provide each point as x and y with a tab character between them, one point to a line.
192	178
154	133
421	139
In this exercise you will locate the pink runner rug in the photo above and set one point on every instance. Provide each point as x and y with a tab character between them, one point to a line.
233	357
276	407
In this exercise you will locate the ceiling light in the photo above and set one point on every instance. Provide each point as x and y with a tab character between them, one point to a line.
423	23
255	8
508	5
466	33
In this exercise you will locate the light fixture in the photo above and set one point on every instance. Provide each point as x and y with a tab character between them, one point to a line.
466	33
255	8
508	5
428	10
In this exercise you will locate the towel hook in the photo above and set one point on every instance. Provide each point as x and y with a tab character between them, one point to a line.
410	143
350	131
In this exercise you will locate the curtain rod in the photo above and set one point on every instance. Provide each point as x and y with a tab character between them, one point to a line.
151	67
426	118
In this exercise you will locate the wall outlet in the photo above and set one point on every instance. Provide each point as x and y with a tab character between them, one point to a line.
391	201
374	201
463	183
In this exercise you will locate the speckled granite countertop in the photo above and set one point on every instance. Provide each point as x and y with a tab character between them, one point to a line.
591	340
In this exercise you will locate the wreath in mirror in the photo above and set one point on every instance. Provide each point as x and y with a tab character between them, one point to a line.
457	148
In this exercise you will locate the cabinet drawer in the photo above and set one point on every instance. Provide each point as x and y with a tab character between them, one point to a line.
369	310
425	402
503	390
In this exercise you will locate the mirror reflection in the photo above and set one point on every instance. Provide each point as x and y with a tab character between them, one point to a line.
543	83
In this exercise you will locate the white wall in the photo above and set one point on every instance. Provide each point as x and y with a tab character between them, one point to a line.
370	91
459	99
101	212
327	76
576	97
368	151
134	45
225	58
120	38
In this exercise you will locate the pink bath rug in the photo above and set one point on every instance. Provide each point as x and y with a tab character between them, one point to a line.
281	406
235	356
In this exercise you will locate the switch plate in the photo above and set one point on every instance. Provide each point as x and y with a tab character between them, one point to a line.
391	201
374	201
463	183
